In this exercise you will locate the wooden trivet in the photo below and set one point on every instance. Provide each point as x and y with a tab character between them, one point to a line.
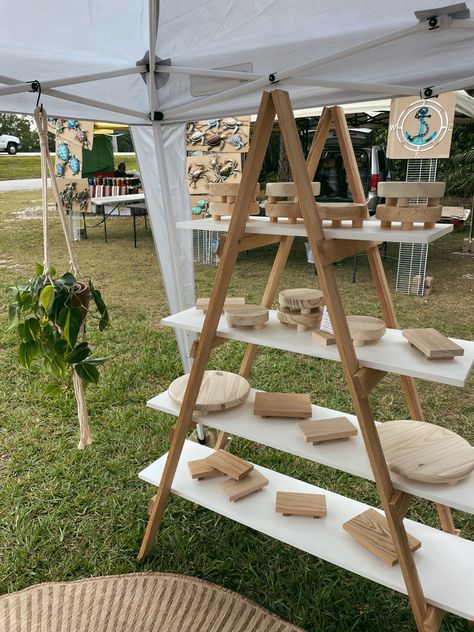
296	405
297	504
333	429
425	452
300	299
219	390
432	344
324	337
370	529
230	464
337	212
235	490
202	469
365	329
247	316
202	304
302	322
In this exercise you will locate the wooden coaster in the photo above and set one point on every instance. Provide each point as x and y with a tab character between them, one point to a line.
324	337
302	322
327	430
235	490
201	469
297	504
432	344
219	390
247	316
229	464
296	405
337	212
300	299
202	304
408	215
370	529
365	329
425	452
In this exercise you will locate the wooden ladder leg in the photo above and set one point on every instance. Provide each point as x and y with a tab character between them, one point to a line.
349	360
251	172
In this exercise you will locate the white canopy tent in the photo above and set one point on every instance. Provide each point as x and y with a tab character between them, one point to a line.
210	59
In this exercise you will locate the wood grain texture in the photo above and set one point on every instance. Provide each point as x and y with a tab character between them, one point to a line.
365	329
288	189
408	214
341	210
298	504
432	344
219	390
201	469
297	405
411	189
230	464
235	490
218	189
425	452
324	337
302	322
300	298
248	316
202	304
327	430
370	529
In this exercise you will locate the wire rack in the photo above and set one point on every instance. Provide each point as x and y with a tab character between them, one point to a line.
205	244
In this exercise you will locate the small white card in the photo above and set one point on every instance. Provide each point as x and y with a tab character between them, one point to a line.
326	321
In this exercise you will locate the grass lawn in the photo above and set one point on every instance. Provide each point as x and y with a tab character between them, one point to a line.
19	167
67	514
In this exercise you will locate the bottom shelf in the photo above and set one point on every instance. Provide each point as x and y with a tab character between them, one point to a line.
445	562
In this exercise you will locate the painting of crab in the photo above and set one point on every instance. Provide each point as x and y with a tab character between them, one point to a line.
231	124
63	152
215	140
196	172
74	165
236	141
60	170
228	169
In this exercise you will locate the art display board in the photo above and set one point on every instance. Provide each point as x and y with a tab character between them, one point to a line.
72	136
75	195
213	167
224	135
421	128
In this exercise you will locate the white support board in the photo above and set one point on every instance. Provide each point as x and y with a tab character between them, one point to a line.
444	561
371	231
347	456
391	353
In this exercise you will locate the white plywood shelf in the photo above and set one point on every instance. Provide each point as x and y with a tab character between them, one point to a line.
444	561
391	353
371	230
348	456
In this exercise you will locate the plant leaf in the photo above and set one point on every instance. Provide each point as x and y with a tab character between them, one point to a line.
27	352
97	361
13	315
68	280
32	328
70	320
47	297
56	365
39	269
87	372
79	353
54	389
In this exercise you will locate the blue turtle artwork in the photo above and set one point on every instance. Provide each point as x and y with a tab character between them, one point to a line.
74	165
236	141
72	124
63	152
60	170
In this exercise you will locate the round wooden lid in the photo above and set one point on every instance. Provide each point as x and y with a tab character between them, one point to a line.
219	390
300	298
247	315
425	452
365	328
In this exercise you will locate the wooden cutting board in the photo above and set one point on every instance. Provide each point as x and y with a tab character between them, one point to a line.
296	405
300	298
425	452
432	344
365	329
219	390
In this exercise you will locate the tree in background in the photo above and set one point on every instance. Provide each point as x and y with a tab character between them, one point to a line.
21	126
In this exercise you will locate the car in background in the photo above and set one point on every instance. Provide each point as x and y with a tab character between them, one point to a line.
372	163
10	144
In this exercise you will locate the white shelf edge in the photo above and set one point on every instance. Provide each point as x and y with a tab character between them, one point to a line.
347	456
371	230
391	353
444	561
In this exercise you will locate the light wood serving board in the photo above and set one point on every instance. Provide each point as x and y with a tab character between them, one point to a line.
432	344
297	405
425	452
219	390
365	329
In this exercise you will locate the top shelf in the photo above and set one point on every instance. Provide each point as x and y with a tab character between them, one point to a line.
371	231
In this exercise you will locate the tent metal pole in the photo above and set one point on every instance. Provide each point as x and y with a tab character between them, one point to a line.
70	81
380	88
209	72
183	112
460	84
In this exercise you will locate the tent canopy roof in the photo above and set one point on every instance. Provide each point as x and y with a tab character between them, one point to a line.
304	46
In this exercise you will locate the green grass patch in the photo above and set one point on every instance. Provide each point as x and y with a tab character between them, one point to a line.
66	514
21	167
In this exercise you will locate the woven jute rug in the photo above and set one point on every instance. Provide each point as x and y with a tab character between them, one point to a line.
139	602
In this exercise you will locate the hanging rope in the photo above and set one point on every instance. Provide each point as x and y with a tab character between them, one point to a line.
41	120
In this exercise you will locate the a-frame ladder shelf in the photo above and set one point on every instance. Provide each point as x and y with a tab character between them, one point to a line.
347	456
391	353
371	230
444	561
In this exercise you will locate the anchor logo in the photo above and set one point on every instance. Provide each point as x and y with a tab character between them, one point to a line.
421	138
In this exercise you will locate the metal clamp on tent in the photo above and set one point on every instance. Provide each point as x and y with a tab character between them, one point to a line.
458	11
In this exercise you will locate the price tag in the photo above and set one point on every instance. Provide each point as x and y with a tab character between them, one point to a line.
326	321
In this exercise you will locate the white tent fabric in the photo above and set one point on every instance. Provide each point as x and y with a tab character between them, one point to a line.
218	57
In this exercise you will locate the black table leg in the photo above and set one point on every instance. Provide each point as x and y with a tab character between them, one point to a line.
85	225
134	229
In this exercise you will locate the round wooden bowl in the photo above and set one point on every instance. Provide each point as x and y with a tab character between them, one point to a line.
302	322
408	214
425	452
300	298
248	316
365	329
219	390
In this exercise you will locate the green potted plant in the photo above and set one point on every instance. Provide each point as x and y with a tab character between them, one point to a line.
50	313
